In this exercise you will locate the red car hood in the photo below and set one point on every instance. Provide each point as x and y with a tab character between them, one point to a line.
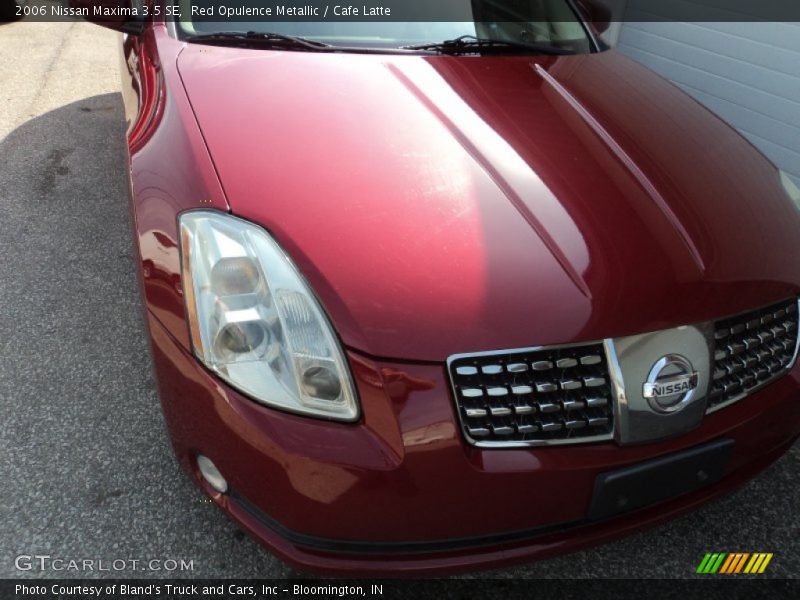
441	205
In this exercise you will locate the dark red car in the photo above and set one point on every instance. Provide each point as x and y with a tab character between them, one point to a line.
428	297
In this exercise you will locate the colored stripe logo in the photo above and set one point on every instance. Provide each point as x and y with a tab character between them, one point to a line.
734	563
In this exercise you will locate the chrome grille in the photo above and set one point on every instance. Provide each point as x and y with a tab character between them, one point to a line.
752	350
534	396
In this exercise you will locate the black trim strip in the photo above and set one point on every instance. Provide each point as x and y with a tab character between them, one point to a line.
410	547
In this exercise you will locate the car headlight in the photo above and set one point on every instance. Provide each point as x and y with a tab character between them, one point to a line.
790	187
255	322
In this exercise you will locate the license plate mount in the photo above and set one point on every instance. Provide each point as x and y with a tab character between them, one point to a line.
661	479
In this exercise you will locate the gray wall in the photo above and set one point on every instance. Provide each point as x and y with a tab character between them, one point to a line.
748	73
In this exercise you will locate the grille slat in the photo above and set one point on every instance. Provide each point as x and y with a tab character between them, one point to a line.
751	351
533	397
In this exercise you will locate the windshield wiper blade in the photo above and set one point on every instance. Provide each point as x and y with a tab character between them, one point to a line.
469	44
274	40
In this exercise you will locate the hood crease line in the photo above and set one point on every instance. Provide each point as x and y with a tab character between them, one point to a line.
629	163
498	180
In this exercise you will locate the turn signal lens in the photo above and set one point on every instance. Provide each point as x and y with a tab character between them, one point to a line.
791	188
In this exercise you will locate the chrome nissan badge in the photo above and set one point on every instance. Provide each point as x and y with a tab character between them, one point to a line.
671	384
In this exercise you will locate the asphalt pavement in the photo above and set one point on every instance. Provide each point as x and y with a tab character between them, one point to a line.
85	462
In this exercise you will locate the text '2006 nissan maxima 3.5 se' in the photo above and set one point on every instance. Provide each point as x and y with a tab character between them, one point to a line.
437	296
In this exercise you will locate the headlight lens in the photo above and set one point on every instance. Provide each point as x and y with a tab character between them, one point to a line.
791	188
255	322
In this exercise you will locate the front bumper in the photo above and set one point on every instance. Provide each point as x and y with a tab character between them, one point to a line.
400	492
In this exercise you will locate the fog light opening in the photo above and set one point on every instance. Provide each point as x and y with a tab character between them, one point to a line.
211	474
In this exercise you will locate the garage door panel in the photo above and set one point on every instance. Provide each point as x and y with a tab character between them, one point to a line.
747	73
779	74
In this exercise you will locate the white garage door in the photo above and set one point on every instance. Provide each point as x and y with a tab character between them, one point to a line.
748	73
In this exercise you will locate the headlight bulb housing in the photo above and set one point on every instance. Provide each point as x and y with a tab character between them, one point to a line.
255	322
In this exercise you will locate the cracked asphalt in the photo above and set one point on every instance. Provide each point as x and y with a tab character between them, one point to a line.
85	461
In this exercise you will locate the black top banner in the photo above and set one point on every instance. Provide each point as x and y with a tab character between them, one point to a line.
394	11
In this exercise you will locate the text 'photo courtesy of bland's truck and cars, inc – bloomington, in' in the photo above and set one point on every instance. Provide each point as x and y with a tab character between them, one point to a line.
502	289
